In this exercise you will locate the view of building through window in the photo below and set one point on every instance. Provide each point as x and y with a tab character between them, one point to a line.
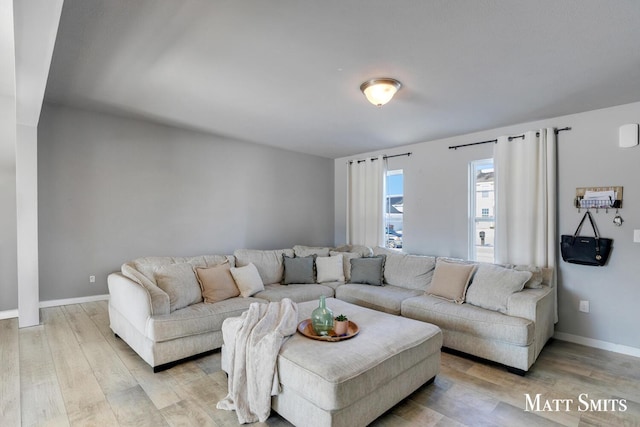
394	208
482	211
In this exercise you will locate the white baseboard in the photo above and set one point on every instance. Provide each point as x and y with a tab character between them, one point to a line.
68	301
9	314
603	345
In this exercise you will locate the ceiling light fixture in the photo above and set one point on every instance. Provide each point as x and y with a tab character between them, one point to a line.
380	91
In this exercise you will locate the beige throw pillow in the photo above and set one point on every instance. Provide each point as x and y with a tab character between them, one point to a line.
217	283
180	283
450	280
247	279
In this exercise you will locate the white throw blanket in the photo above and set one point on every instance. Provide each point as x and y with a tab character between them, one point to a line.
252	342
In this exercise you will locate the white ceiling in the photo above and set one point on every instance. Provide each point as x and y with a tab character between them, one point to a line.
286	73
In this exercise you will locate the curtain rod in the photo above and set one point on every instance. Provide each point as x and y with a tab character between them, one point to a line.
384	157
455	147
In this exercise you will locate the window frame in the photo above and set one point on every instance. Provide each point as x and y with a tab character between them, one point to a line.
474	167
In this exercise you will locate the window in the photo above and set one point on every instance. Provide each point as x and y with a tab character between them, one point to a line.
394	208
481	210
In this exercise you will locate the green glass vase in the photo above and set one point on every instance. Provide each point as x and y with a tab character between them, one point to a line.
322	318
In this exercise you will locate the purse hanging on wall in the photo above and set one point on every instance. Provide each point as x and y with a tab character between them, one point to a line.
585	250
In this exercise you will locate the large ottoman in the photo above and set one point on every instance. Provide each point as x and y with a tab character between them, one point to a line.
352	382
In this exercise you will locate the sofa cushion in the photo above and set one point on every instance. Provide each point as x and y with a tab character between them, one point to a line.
180	283
364	251
298	270
329	269
346	262
469	319
247	279
269	263
450	280
492	285
382	298
368	270
407	271
296	293
304	251
216	283
196	319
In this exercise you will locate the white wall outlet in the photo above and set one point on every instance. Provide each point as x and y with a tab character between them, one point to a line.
584	306
92	279
636	236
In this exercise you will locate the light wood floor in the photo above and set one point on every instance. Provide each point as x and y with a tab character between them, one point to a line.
71	370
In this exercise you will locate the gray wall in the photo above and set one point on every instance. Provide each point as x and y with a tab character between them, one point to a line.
112	189
8	251
435	203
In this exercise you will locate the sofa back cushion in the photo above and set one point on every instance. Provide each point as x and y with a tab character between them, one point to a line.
145	267
305	251
268	262
492	286
407	271
180	283
364	251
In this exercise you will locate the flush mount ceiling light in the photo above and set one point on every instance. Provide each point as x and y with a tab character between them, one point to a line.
380	91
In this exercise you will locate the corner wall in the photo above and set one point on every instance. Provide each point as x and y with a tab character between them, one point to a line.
112	189
435	205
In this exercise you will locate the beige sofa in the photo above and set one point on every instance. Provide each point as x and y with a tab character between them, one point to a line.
141	311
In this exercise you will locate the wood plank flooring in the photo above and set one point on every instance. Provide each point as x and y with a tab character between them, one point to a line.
72	371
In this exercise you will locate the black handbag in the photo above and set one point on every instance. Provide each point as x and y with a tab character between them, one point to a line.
585	250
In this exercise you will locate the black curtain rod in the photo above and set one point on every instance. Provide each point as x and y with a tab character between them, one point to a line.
384	157
455	147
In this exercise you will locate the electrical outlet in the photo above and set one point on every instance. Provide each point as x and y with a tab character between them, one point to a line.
92	279
584	306
636	236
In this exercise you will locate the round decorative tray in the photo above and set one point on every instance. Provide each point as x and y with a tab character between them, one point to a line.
306	329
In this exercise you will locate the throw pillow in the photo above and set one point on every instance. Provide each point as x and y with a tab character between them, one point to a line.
450	280
217	283
298	270
329	269
368	270
346	262
247	279
493	285
180	283
537	276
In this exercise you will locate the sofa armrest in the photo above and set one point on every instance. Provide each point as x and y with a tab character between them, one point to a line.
132	300
536	305
526	303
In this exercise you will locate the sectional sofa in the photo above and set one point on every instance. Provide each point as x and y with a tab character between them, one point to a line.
500	313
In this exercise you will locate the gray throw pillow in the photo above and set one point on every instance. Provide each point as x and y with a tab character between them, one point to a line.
368	270
298	270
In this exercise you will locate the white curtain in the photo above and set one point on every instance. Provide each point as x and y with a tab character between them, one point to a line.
365	224
526	187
